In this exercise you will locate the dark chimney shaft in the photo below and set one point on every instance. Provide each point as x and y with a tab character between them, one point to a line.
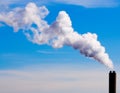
112	82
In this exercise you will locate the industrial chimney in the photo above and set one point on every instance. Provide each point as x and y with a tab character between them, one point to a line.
112	82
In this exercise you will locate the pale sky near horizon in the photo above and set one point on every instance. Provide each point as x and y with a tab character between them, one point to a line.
26	67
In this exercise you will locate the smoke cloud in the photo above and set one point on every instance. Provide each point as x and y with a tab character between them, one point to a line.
31	20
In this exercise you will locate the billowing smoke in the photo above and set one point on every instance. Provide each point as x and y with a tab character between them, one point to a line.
31	20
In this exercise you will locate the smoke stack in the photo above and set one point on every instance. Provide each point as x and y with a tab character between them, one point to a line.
112	82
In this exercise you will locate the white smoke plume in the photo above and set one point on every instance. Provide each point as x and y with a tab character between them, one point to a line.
31	20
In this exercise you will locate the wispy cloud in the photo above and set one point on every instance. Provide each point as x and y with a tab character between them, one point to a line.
84	3
91	3
45	52
51	52
4	4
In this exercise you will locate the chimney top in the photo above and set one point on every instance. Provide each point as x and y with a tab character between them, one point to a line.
112	72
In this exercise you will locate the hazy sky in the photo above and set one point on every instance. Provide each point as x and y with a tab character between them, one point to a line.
26	67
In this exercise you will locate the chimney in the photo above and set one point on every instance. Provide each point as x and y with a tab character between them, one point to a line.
112	82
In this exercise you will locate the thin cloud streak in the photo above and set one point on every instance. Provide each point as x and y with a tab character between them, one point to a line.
91	3
84	3
51	52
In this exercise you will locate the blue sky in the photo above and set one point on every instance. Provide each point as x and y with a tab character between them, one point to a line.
43	69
